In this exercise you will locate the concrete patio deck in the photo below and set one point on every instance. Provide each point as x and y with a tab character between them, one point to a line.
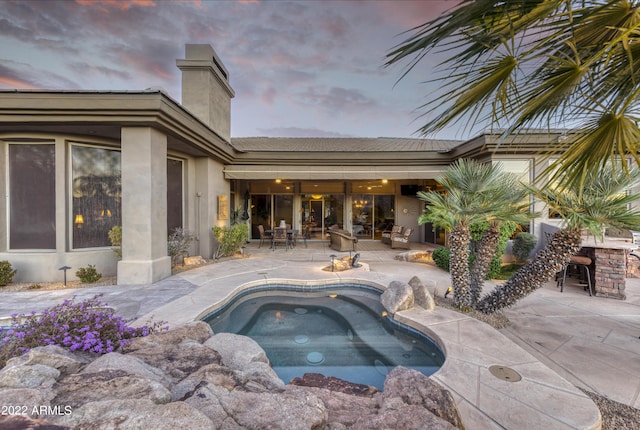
557	341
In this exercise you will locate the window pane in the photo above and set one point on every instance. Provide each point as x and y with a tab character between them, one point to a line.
32	197
362	208
96	195
174	194
384	213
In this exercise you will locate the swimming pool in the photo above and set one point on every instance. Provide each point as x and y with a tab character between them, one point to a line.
335	330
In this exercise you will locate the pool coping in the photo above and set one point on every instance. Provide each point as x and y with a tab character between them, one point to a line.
541	398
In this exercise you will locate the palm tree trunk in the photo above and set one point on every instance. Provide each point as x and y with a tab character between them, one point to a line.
542	268
484	254
459	240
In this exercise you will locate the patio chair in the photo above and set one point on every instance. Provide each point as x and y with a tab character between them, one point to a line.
263	235
578	262
280	236
386	234
401	240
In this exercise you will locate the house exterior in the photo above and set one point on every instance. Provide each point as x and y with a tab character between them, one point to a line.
77	163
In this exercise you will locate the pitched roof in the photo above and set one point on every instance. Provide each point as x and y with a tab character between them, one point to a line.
341	144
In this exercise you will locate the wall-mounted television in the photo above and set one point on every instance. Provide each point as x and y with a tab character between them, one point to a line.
409	190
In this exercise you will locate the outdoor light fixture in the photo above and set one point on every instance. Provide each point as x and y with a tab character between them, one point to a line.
448	291
384	181
278	181
333	295
65	268
333	257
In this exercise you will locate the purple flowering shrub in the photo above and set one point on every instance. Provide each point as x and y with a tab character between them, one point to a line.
87	325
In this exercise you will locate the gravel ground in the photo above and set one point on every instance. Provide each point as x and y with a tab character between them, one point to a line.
615	416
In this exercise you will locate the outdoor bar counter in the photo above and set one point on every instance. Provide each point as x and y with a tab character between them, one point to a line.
613	261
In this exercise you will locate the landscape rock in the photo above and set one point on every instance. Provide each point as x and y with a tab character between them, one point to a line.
275	410
261	375
53	356
334	384
178	361
402	416
343	409
19	422
212	374
421	294
415	388
25	396
77	390
237	351
182	382
134	414
196	260
198	331
128	363
28	376
397	297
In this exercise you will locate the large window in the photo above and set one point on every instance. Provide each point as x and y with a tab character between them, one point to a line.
372	214
32	197
96	188
174	194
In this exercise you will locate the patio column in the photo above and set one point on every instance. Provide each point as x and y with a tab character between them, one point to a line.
144	207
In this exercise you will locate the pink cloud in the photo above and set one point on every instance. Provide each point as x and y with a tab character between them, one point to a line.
116	4
8	82
411	13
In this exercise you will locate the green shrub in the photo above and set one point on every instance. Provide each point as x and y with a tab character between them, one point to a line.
115	236
477	231
230	239
6	273
88	275
441	258
179	243
523	244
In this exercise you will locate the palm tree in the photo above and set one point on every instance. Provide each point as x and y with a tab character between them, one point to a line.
603	201
473	192
519	64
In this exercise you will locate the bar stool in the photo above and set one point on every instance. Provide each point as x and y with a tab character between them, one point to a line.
578	261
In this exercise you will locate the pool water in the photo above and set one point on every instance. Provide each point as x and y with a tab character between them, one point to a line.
339	332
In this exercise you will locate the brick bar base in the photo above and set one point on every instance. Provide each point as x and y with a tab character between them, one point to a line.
609	275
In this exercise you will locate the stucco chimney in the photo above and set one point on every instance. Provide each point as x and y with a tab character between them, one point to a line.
206	92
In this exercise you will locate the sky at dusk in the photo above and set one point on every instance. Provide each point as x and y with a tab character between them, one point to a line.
299	68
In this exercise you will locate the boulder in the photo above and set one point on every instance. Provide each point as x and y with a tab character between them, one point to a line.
237	351
414	388
77	390
19	422
134	414
53	356
343	409
212	374
128	363
397	297
332	383
28	397
398	415
28	376
177	361
260	375
421	294
198	331
275	410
